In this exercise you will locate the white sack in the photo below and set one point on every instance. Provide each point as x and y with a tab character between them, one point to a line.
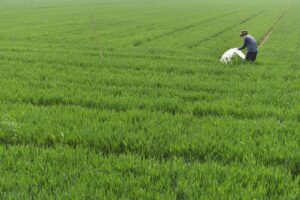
228	55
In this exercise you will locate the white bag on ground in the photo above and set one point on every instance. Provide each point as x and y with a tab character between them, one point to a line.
228	55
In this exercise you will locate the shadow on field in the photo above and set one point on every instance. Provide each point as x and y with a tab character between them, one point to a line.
239	62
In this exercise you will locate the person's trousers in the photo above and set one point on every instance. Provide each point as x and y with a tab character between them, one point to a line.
251	56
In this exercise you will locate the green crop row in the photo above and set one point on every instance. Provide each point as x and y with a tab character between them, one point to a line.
80	174
156	135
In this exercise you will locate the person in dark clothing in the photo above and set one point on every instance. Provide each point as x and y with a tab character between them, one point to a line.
251	45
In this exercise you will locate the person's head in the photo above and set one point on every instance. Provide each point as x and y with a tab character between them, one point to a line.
243	33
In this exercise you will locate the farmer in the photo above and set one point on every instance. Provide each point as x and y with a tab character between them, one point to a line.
250	43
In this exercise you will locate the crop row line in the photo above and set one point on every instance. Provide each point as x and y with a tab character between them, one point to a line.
224	30
139	43
266	36
173	108
148	27
82	63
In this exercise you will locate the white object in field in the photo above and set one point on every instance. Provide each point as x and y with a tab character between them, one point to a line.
241	54
228	55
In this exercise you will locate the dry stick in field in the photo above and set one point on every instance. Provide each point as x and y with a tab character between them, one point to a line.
266	36
97	39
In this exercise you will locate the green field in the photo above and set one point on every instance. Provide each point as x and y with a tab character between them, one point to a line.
159	117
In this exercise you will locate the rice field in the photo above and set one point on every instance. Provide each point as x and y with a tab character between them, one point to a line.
127	99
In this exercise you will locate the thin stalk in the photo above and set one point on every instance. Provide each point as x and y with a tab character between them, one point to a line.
97	40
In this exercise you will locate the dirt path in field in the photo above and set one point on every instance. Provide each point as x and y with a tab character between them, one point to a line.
267	35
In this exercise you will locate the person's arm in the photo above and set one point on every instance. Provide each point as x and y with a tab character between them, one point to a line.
244	45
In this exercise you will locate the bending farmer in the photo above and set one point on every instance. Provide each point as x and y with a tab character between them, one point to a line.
251	44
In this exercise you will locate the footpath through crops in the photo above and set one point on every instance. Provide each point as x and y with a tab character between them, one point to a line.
156	116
